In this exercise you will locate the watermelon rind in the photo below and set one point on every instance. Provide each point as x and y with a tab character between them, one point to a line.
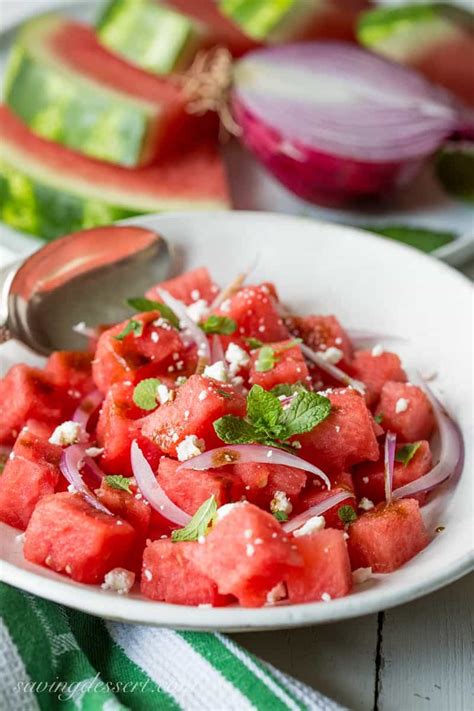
266	19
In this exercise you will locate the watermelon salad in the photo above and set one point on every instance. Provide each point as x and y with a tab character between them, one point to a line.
217	449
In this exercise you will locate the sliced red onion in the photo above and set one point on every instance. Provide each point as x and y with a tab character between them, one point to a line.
332	370
87	406
362	338
73	459
451	452
251	453
151	489
186	322
316	510
217	352
389	463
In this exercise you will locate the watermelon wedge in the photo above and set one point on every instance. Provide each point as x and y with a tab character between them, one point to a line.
162	37
435	38
49	190
68	88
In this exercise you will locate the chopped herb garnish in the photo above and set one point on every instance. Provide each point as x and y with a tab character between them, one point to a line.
406	452
287	389
347	514
270	424
132	326
221	325
379	418
199	523
141	304
281	516
3	461
116	481
268	357
225	394
145	393
253	343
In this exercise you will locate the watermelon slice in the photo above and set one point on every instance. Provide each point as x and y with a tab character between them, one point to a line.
289	366
436	38
375	370
49	190
262	481
404	409
188	287
163	37
72	371
321	333
71	90
255	310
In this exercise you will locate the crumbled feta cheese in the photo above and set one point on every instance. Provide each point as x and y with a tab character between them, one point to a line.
72	489
155	337
277	593
67	433
201	539
377	350
225	306
147	574
332	355
20	538
217	371
190	447
248	533
280	502
401	405
198	310
181	380
338	341
258	541
119	580
163	393
315	523
202	395
361	575
250	550
365	479
236	357
94	451
195	294
345	536
366	504
325	597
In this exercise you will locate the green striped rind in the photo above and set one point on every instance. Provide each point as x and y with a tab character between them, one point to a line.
257	18
65	107
455	169
148	34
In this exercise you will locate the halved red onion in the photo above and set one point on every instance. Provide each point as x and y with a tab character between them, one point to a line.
451	456
251	453
151	489
389	463
186	322
217	351
87	406
334	122
73	459
332	370
317	510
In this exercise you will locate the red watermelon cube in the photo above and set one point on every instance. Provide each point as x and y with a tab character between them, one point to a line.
72	371
246	554
321	333
68	535
369	477
386	537
262	481
254	308
188	287
169	574
118	425
290	366
376	370
131	507
405	410
198	403
344	438
326	571
31	472
316	492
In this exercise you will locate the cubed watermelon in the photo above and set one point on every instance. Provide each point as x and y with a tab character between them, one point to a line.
261	554
326	571
255	311
188	287
131	507
386	537
321	333
30	393
404	409
31	472
261	481
169	574
136	356
344	438
198	403
316	492
290	366
189	489
72	371
68	535
376	370
369	477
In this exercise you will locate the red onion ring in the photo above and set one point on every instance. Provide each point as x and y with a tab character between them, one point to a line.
87	406
251	453
217	352
186	322
151	490
332	370
316	510
73	459
389	463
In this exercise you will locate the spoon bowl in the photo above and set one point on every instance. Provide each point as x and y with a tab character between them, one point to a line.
83	277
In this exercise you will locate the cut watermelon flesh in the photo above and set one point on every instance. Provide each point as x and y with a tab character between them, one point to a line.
375	370
261	481
48	190
290	367
405	410
72	371
254	308
188	288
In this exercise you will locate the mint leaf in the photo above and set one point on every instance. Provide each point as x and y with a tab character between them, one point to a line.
133	326
221	325
145	393
306	411
287	389
115	481
281	516
235	430
406	452
263	410
266	359
379	418
141	304
347	514
253	343
199	523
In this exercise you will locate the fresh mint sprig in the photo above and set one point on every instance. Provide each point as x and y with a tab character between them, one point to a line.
288	389
132	326
406	452
220	325
347	514
145	393
199	523
140	304
116	481
268	357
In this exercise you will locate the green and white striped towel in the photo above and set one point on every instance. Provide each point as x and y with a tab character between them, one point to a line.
52	657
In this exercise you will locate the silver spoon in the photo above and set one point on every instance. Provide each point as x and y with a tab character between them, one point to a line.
84	277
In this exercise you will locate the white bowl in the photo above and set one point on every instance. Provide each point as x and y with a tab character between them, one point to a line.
370	284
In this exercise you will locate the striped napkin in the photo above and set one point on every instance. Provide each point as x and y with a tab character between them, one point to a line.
52	657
